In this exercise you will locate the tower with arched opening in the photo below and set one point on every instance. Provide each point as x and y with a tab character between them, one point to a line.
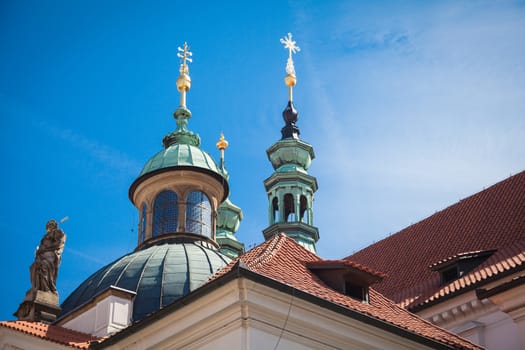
290	188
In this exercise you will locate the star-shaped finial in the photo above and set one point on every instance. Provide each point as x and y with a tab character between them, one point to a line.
292	49
290	45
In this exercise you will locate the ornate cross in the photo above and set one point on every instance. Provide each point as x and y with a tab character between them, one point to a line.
185	55
290	45
292	48
184	80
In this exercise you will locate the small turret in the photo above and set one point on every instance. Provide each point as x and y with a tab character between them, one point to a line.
291	189
229	216
179	190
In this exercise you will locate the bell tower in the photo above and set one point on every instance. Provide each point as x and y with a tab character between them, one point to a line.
290	188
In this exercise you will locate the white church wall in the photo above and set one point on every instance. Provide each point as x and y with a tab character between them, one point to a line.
244	314
110	312
501	332
484	322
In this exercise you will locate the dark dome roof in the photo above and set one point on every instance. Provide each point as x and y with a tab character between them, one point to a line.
159	274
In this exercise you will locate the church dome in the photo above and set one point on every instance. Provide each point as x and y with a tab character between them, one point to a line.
177	195
159	274
180	155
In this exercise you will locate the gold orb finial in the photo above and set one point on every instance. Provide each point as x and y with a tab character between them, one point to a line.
290	79
222	144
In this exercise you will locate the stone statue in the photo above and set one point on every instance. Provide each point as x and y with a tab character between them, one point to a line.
44	270
41	301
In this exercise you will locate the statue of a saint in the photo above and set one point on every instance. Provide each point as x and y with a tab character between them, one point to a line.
44	270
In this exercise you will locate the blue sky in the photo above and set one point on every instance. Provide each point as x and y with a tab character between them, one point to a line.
410	106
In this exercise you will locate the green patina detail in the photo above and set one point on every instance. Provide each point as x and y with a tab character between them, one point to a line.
291	155
161	273
303	239
291	191
182	135
230	246
229	217
180	154
181	148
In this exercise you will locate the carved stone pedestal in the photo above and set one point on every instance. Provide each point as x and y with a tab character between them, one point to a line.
38	306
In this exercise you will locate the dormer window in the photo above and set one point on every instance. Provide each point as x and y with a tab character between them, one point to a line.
356	291
346	277
450	274
458	265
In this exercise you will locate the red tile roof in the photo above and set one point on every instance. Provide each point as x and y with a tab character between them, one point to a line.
493	219
52	333
285	261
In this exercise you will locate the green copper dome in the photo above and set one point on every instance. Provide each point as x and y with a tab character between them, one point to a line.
180	154
159	274
181	149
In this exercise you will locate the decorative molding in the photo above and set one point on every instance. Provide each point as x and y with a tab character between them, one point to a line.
461	312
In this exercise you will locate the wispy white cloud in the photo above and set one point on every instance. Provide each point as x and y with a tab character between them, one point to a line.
411	114
357	40
85	256
110	157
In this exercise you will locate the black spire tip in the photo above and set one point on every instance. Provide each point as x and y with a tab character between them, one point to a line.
290	116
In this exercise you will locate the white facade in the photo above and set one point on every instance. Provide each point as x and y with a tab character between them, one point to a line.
109	312
243	314
496	322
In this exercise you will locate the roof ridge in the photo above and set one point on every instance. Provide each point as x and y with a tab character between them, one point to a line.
484	191
268	251
491	219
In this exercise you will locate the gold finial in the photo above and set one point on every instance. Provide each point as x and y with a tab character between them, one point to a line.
184	80
290	79
222	144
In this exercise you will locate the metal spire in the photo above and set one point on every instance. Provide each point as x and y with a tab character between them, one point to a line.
290	114
290	79
184	80
182	114
222	144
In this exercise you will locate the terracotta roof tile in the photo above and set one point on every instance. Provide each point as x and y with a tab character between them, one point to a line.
493	219
52	333
486	270
285	261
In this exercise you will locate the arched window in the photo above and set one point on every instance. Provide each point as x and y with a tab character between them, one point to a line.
142	224
165	213
302	210
289	208
198	214
275	210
